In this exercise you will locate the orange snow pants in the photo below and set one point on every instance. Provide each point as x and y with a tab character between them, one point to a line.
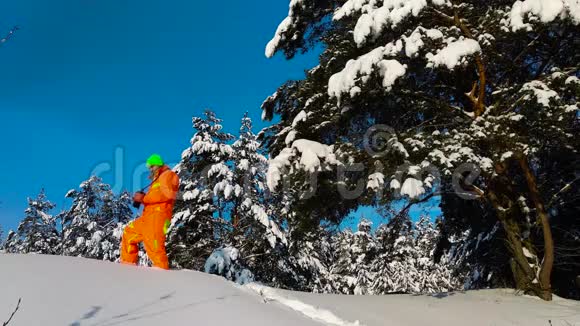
150	229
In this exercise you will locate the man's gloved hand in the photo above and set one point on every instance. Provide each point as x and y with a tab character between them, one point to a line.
138	197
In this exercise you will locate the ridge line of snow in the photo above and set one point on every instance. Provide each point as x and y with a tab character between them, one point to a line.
312	312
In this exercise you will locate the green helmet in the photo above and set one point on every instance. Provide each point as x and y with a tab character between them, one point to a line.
155	160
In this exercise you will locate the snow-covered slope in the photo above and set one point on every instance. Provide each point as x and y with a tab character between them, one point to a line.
73	291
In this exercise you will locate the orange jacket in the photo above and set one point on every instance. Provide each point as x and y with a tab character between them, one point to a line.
151	228
162	194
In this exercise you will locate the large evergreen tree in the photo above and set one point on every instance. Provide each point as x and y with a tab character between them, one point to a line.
482	94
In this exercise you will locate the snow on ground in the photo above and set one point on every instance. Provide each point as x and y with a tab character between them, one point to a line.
74	291
315	312
472	308
65	291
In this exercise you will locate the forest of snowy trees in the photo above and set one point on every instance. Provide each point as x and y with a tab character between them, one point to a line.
469	104
225	206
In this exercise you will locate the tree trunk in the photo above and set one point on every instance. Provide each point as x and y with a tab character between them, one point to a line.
525	278
522	272
548	261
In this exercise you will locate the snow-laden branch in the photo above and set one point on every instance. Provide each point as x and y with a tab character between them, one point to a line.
304	154
544	10
283	29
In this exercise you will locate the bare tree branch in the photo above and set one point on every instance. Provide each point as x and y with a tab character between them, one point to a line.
413	202
564	189
13	313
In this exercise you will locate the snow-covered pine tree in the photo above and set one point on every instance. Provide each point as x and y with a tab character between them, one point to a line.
206	186
37	230
341	278
254	231
364	249
434	276
115	214
313	256
249	170
12	244
382	283
399	244
355	253
304	265
425	235
493	84
89	225
405	261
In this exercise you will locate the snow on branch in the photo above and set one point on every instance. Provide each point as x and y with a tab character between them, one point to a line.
311	156
350	7
357	71
412	188
375	20
376	181
283	28
541	92
454	54
273	231
360	69
544	10
312	152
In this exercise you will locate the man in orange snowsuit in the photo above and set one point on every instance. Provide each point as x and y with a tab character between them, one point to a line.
152	226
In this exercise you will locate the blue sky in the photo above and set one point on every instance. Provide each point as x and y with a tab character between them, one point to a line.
85	77
83	81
